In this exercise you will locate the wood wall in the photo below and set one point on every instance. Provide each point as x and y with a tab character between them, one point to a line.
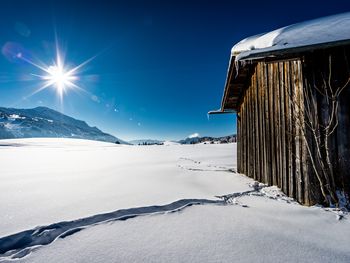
271	147
331	67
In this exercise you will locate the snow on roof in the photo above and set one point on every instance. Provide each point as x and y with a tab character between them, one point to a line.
323	30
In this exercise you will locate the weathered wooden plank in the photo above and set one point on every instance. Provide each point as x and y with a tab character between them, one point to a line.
267	123
304	163
263	116
238	141
296	129
241	143
249	130
283	129
242	148
257	128
291	132
273	180
251	135
259	121
299	144
244	135
247	138
241	138
257	170
296	132
277	125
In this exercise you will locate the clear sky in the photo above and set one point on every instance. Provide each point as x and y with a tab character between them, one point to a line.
160	65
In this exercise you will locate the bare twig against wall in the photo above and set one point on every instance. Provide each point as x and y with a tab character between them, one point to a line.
317	114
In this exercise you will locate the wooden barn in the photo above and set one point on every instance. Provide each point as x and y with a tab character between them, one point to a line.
290	90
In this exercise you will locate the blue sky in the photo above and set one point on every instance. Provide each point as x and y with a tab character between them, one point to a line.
161	65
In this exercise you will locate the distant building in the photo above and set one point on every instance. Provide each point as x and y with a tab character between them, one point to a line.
290	90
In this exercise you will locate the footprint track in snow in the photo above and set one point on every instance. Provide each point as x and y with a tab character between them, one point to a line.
198	166
23	243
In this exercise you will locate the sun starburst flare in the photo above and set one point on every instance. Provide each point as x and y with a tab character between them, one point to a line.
59	78
58	75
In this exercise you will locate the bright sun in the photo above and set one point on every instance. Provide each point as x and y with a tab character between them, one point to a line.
59	78
59	75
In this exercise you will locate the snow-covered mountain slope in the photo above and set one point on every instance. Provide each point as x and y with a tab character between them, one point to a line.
45	122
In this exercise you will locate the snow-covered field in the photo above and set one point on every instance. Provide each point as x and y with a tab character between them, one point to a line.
65	200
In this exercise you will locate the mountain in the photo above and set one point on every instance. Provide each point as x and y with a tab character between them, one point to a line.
146	142
45	122
208	139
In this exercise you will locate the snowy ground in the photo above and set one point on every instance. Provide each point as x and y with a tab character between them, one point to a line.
99	202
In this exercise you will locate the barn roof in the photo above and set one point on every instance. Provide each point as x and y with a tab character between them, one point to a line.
284	42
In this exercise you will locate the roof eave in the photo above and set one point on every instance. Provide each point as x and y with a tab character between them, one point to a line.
270	54
230	73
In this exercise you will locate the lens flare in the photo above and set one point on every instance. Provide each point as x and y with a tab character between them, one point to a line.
59	78
58	75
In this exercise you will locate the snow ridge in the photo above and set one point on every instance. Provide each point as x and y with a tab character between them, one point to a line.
23	243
